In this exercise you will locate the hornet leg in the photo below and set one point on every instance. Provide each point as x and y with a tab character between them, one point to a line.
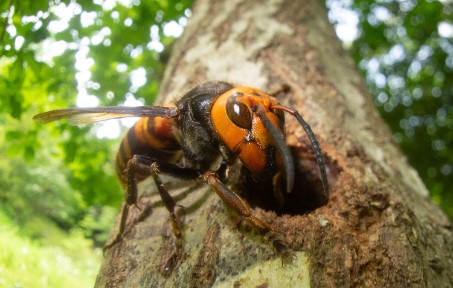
245	211
169	261
136	163
148	166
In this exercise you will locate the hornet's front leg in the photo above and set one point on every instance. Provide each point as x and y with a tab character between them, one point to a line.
244	210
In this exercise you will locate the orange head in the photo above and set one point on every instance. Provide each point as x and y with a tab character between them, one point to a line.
246	122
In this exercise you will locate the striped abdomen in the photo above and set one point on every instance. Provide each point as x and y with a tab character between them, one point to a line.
150	136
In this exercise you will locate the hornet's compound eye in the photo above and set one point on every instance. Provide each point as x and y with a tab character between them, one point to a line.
238	112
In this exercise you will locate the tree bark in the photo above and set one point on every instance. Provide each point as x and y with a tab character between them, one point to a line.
379	228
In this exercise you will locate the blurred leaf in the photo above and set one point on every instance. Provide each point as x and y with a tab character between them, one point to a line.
12	135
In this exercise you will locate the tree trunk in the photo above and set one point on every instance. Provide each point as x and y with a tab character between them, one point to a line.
379	228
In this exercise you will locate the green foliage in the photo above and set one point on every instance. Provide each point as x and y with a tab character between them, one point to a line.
36	185
59	260
405	52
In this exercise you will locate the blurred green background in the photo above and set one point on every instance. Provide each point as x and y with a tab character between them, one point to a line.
58	190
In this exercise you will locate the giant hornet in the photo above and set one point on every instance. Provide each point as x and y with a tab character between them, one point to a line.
202	134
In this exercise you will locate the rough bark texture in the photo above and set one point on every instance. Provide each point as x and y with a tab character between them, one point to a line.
379	228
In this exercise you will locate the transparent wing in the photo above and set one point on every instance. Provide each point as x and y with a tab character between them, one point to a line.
80	116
